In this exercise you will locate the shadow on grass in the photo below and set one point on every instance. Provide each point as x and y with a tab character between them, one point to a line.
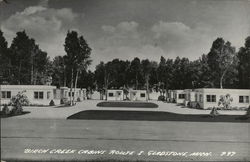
12	115
154	116
63	106
127	104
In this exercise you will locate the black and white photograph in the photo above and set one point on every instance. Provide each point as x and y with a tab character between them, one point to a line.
125	80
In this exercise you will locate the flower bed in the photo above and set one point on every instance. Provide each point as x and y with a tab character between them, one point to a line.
129	104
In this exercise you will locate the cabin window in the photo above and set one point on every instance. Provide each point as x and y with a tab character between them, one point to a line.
6	94
72	94
38	95
181	96
243	99
211	98
201	98
111	94
143	95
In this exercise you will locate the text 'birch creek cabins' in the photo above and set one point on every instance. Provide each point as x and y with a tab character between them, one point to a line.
203	98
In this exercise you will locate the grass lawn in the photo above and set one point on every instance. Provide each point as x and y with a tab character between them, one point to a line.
2	115
154	116
94	160
127	104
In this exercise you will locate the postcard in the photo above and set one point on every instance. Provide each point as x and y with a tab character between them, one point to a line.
125	80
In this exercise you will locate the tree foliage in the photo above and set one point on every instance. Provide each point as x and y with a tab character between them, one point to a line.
244	65
77	58
25	63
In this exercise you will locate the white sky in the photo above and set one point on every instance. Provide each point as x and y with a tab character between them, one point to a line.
130	28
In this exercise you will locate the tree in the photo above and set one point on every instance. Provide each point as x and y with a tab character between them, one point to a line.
244	65
135	71
87	80
77	58
40	66
109	76
153	80
220	59
167	75
4	60
177	74
20	52
162	72
99	76
146	71
203	73
59	71
27	59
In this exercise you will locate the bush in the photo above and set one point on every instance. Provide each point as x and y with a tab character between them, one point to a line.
161	98
127	104
18	102
67	103
52	103
63	101
198	106
214	112
248	112
6	110
225	101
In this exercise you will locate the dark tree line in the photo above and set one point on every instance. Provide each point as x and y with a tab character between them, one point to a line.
23	62
222	67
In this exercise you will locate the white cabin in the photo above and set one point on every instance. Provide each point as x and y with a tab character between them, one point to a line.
209	97
179	96
138	95
37	94
115	95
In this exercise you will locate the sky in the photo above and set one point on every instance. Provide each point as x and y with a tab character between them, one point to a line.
126	29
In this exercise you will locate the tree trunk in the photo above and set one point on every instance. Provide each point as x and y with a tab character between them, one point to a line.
35	79
223	74
71	86
106	89
64	75
147	86
9	71
165	90
32	74
136	82
19	72
77	73
106	85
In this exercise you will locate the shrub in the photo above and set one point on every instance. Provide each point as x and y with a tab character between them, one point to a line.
52	103
214	112
6	110
198	106
161	98
67	103
63	101
248	112
18	102
127	104
225	101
